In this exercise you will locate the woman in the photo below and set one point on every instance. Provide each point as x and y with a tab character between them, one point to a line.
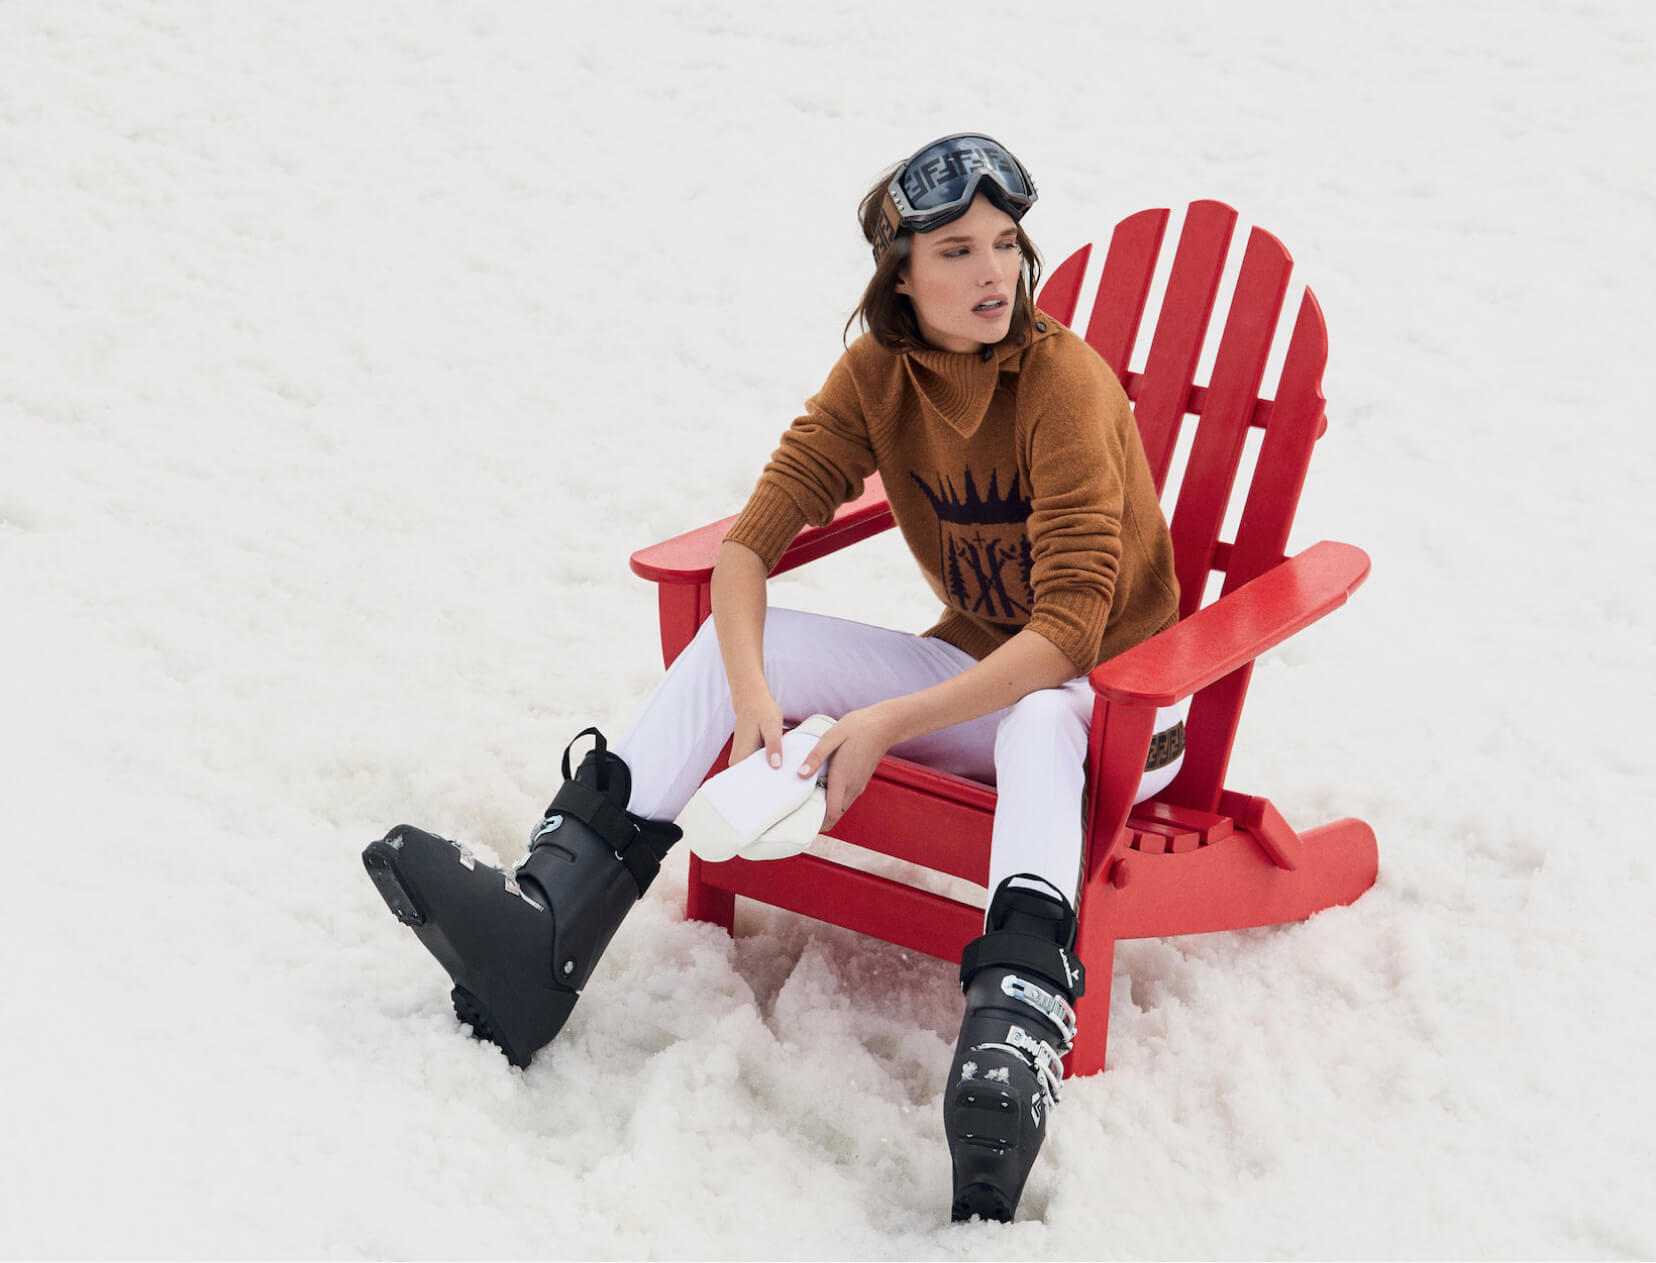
1015	472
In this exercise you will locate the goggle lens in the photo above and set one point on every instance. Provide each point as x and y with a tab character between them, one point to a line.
937	185
939	175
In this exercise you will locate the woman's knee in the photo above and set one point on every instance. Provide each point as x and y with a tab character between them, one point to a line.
1055	713
792	632
703	646
790	638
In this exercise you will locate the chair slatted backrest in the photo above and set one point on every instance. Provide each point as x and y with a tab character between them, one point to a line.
1165	392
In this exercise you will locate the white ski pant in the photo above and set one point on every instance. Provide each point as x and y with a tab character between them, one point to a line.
1034	751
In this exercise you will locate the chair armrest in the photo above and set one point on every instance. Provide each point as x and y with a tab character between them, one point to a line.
689	558
1235	629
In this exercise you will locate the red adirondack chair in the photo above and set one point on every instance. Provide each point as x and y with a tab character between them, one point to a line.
1199	856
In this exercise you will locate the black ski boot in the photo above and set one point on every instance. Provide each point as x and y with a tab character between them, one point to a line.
521	945
1020	981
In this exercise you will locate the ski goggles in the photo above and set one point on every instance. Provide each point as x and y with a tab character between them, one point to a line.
938	183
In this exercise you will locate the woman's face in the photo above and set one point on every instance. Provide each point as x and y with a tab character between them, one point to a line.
963	278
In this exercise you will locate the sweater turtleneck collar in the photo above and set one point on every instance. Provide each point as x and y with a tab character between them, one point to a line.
957	386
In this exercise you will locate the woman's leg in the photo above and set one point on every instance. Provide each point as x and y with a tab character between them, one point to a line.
1020	978
1040	772
817	664
1040	768
814	664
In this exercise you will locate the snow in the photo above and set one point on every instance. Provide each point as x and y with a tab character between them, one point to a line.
349	352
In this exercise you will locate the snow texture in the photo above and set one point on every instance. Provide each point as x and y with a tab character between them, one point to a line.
349	351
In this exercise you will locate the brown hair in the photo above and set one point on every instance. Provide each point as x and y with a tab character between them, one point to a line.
889	316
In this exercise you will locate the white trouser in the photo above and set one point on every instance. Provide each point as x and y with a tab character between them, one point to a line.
1034	751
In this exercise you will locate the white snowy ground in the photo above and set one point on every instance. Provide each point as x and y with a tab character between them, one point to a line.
350	349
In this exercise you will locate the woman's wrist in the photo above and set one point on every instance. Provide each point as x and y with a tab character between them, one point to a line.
898	719
750	693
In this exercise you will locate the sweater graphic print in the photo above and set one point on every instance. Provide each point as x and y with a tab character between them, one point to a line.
982	540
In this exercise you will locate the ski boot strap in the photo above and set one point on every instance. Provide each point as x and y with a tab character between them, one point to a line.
1037	1054
1049	1005
638	843
1018	907
1010	950
601	759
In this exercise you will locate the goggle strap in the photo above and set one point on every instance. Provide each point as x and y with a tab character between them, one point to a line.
887	226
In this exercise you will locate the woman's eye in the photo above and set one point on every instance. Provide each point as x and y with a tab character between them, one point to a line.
954	254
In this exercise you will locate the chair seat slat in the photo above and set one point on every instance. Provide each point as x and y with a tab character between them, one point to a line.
1208	826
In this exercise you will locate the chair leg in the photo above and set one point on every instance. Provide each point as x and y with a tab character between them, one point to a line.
708	903
1092	1010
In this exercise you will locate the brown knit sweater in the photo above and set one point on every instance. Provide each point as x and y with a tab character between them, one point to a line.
1018	481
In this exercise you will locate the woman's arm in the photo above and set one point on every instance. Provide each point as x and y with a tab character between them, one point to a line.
1025	663
739	577
822	460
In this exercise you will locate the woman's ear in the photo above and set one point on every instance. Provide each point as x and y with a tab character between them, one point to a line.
901	287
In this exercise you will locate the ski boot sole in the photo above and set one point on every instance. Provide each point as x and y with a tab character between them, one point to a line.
982	1202
469	1009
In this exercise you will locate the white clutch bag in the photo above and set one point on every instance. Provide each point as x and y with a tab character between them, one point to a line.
756	811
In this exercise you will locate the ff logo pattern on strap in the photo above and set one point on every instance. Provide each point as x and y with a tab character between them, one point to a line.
1166	746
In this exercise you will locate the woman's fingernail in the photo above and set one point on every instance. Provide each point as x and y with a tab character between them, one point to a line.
776	760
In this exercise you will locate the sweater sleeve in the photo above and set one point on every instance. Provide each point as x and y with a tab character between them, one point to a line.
1071	438
821	463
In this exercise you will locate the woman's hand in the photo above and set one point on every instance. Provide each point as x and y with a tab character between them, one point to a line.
857	743
758	725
